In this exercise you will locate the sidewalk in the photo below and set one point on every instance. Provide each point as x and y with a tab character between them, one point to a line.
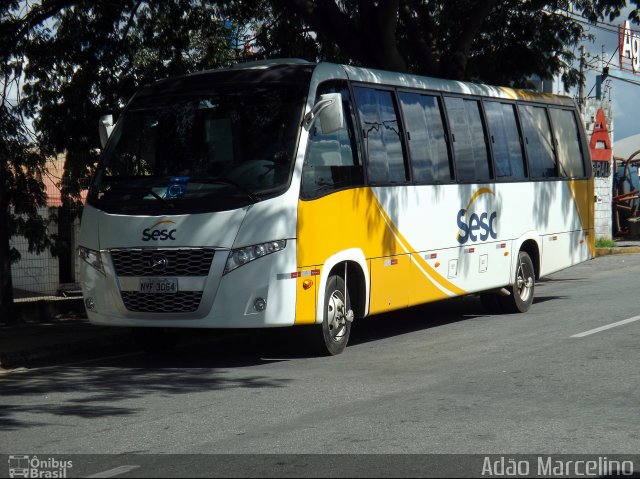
55	330
622	247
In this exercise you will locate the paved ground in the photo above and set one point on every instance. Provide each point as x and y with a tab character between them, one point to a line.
47	336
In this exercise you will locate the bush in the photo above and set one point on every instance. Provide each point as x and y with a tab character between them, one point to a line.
605	243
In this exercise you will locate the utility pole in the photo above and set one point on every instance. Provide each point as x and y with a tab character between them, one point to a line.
581	86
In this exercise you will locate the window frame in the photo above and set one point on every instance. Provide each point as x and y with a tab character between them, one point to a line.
402	133
357	146
447	134
582	144
545	106
525	159
487	143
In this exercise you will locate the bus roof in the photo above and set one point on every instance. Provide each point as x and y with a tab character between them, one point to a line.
283	71
292	70
409	80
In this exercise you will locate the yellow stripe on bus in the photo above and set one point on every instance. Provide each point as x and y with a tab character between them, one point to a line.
354	218
582	195
428	271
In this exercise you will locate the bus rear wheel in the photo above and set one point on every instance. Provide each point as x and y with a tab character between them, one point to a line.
523	286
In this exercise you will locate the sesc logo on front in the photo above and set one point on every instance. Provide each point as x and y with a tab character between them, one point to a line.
157	233
476	226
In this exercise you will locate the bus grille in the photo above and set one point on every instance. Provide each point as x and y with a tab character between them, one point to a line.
177	262
181	302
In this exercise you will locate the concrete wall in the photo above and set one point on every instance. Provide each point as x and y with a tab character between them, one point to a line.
603	210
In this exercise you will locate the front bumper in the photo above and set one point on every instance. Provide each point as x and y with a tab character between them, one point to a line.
227	301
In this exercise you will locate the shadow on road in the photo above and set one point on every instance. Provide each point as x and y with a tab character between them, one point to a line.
414	319
44	396
547	279
544	299
206	362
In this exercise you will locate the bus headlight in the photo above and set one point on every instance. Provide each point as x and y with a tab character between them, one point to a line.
241	256
91	257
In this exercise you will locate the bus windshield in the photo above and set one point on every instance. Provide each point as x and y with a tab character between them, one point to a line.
200	152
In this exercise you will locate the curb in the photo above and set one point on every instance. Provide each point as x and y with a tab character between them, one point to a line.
617	250
116	342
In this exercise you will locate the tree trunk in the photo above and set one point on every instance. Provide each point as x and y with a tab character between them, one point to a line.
7	309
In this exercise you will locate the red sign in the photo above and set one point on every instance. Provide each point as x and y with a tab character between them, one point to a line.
600	144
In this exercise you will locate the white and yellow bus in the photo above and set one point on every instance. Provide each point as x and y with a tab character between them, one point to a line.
289	193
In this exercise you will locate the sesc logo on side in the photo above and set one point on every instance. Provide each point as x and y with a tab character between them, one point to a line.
476	226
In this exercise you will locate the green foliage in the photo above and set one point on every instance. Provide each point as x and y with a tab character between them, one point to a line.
21	165
22	185
496	42
605	243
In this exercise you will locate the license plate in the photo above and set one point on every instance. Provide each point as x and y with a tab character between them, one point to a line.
159	285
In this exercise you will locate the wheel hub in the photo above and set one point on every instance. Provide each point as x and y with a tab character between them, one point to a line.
524	282
337	315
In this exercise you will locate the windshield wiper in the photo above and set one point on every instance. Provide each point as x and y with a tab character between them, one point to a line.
161	199
147	190
226	181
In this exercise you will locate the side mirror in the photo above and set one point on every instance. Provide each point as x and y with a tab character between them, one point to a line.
105	127
329	110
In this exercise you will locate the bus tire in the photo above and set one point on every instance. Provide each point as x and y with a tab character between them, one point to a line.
335	326
155	340
523	287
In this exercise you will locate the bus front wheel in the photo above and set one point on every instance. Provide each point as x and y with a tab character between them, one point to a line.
337	316
523	286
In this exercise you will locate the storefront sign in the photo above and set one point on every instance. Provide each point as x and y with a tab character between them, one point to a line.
629	48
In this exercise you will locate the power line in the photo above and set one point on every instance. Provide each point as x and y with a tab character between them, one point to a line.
612	55
608	27
632	82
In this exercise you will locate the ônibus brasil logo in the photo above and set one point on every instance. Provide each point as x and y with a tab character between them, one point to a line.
156	234
474	226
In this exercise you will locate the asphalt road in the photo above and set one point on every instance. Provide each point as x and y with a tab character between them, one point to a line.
439	379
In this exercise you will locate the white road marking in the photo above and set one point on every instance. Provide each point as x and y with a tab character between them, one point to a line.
608	326
115	471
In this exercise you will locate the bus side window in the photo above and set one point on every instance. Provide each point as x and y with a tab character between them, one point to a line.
469	145
331	162
537	133
505	139
382	139
426	135
567	139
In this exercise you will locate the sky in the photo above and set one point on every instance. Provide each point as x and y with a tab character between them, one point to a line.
625	96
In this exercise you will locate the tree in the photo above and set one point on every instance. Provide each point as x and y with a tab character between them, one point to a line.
21	191
503	42
21	169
